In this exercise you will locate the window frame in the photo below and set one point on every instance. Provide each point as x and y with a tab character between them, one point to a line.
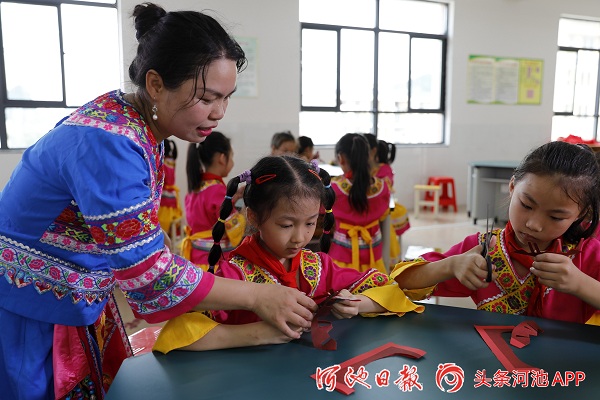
5	102
375	112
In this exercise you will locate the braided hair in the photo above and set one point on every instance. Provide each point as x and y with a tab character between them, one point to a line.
274	178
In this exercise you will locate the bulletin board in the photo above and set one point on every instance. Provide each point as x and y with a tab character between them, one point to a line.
503	80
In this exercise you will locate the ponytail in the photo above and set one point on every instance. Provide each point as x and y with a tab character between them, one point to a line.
193	167
219	228
361	173
328	220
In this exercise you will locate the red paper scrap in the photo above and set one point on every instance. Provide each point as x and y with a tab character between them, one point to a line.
492	336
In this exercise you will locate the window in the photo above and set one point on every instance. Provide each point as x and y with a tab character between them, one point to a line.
56	56
373	66
576	91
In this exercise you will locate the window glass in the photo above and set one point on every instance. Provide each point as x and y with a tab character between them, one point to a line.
586	83
426	73
411	128
564	82
393	72
413	16
356	70
319	68
26	125
579	33
357	13
563	126
81	25
331	126
34	74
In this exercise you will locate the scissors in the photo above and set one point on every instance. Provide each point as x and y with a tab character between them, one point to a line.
486	248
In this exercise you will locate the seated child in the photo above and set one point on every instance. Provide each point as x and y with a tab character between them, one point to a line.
283	196
545	261
283	143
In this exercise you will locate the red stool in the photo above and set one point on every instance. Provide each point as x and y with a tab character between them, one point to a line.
446	198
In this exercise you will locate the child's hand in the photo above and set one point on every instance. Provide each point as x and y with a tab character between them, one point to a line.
268	334
557	271
345	308
470	268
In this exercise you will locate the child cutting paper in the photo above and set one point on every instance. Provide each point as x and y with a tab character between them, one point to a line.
283	196
546	263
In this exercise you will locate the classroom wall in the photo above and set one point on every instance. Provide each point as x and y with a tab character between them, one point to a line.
507	28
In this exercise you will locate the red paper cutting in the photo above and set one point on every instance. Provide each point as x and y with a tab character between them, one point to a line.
387	350
492	336
521	334
320	327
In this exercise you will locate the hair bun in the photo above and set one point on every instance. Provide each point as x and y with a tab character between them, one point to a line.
146	16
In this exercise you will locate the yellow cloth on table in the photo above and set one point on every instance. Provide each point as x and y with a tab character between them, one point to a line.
393	299
182	331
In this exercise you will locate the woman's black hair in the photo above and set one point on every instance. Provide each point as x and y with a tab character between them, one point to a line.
274	178
575	169
386	152
200	156
179	46
355	148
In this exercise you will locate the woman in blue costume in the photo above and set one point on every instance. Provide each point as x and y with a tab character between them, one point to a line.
79	215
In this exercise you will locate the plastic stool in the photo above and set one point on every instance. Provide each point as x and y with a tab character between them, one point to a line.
434	191
447	184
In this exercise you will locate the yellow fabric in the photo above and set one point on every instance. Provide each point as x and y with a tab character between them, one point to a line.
182	331
166	215
186	243
413	294
353	232
394	245
595	319
235	232
393	299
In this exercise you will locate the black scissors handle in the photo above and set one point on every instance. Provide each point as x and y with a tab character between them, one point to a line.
486	249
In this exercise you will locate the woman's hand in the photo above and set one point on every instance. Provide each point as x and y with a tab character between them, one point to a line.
283	307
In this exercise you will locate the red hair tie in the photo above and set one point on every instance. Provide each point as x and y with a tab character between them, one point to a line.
312	171
264	178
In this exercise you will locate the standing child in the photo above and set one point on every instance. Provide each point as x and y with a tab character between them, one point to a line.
206	191
386	154
169	210
283	196
554	207
362	201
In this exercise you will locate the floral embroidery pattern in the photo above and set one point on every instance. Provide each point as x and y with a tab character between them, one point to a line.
178	280
514	294
122	230
22	267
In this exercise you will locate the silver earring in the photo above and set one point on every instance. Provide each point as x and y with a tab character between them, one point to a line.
154	110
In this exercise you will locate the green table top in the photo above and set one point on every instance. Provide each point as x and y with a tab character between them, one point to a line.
446	334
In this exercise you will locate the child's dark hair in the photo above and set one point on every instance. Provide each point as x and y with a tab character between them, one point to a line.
575	169
304	142
200	156
274	178
386	152
280	138
179	45
355	148
170	149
